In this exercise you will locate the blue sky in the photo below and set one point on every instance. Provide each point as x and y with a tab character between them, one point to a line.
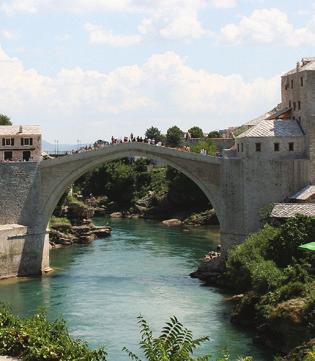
89	69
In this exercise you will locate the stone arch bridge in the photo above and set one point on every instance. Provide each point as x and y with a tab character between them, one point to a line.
31	191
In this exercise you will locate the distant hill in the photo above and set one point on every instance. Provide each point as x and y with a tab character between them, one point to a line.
49	148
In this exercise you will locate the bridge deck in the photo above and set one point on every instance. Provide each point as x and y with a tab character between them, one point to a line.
141	149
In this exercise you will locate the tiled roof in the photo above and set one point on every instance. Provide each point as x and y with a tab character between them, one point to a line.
257	120
287	210
309	65
15	129
304	193
274	128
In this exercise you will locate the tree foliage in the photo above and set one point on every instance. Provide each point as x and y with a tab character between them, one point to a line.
176	343
174	137
5	120
207	145
196	132
214	134
153	133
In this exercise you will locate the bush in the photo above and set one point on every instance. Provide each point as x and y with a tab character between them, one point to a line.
242	258
214	134
208	145
35	339
265	276
153	133
293	233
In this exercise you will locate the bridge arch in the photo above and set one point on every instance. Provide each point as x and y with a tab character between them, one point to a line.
58	174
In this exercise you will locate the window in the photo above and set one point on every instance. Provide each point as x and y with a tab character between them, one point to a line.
299	105
258	147
7	141
291	147
238	147
26	155
242	147
294	105
276	147
8	156
26	141
290	104
292	84
302	81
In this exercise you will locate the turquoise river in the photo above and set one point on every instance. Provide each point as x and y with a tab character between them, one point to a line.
143	268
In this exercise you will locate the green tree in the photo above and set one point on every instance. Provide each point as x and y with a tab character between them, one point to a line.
196	132
214	134
5	120
153	133
174	137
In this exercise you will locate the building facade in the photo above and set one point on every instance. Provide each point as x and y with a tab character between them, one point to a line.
20	143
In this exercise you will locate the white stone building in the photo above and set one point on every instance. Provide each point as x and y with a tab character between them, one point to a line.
20	143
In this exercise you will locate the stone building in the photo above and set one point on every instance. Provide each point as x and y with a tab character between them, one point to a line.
20	143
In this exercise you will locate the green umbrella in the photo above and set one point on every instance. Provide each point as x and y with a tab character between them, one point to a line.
308	246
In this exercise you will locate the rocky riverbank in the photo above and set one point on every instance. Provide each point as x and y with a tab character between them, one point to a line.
74	224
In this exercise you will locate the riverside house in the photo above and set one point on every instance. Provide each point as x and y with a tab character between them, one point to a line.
20	143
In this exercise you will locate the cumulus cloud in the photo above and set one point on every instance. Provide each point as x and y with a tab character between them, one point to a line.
99	35
78	104
267	26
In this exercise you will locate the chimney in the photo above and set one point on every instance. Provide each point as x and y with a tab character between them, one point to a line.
20	129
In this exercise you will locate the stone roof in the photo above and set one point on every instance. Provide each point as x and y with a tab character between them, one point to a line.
6	130
304	193
309	65
288	210
274	128
257	120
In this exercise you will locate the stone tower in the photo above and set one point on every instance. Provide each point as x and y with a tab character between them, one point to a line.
298	94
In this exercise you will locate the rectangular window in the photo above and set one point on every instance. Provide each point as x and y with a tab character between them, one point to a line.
302	81
31	141
290	104
292	84
242	147
299	105
276	147
12	141
291	147
22	141
238	147
258	147
8	155
294	105
3	142
26	141
8	141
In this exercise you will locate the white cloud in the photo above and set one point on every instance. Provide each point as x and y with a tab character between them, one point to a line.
225	4
164	89
267	26
8	34
99	35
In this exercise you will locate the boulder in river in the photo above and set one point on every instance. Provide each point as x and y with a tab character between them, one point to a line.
172	222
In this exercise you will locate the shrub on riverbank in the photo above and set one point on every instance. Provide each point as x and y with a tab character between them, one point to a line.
35	339
278	280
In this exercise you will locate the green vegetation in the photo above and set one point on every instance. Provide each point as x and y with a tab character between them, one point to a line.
206	144
196	132
214	134
278	280
35	339
126	181
5	120
59	221
174	137
154	133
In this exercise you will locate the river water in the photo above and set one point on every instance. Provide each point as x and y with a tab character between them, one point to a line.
143	268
